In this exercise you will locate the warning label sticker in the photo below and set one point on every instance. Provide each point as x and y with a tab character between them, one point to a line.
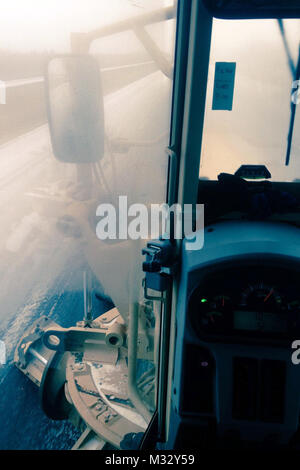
224	86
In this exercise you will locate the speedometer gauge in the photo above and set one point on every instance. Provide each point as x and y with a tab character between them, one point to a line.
261	297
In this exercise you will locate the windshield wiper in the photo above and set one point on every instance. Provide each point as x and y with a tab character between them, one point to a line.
287	49
295	72
293	112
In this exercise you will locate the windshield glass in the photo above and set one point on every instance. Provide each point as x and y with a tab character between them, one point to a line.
255	132
52	261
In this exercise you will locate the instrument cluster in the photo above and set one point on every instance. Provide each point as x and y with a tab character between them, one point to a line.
248	301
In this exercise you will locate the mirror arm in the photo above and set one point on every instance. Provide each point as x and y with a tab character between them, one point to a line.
154	51
156	16
81	42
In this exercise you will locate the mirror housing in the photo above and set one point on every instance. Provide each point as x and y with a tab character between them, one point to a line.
75	108
253	9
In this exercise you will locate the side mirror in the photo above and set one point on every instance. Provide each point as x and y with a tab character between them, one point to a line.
75	108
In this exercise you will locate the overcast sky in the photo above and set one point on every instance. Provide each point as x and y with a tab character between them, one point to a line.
46	24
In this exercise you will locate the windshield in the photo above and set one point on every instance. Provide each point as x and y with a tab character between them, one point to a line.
256	131
51	258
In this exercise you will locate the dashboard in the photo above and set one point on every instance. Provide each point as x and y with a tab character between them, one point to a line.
247	302
238	314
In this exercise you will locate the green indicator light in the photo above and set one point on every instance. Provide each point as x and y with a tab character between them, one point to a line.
203	301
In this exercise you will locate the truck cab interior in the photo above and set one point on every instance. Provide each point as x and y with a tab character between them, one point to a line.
170	342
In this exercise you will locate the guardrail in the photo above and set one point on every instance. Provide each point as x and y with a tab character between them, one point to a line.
31	81
23	101
22	82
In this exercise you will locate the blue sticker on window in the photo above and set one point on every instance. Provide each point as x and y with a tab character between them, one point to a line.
224	86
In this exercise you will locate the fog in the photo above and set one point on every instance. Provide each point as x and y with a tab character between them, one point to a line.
48	207
31	25
255	131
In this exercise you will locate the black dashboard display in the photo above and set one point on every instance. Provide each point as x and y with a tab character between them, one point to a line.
247	301
260	322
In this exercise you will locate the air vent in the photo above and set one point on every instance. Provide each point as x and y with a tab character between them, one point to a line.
258	390
245	374
273	376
